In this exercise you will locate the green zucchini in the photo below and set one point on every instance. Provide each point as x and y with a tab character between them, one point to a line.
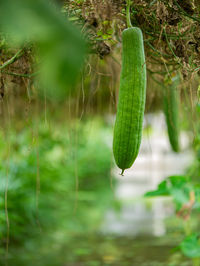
171	111
131	102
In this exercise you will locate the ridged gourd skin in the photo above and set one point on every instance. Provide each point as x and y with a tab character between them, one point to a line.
171	110
131	101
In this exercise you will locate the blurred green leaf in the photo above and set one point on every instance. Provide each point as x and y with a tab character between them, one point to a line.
191	246
161	191
61	48
178	187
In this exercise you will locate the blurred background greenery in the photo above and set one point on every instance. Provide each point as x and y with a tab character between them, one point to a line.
58	185
59	79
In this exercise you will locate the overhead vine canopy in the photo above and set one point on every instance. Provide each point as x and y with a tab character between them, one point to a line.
171	29
171	34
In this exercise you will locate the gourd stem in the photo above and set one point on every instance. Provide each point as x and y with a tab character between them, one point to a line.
122	172
128	18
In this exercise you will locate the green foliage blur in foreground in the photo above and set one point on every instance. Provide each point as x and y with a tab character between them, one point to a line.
185	192
59	44
56	158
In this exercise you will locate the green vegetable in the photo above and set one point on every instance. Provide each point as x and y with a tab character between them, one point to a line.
171	111
131	103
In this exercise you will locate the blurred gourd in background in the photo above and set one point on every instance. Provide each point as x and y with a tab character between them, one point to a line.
171	110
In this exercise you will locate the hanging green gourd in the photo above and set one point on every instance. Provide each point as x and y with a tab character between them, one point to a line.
171	110
132	95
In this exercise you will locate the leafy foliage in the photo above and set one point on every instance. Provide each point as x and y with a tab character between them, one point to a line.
56	203
59	44
174	185
190	246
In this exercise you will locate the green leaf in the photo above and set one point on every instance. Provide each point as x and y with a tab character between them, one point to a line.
180	196
177	186
61	47
190	246
178	180
161	191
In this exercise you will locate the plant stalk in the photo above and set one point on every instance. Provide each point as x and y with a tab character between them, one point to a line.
128	17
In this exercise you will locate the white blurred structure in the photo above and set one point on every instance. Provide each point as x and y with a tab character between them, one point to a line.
155	162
